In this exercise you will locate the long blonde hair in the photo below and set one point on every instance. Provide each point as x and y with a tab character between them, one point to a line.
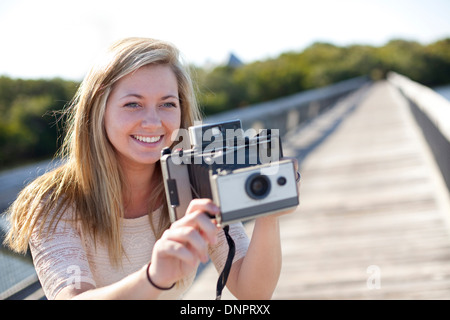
90	179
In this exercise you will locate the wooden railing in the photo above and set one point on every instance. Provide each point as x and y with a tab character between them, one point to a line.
288	112
432	113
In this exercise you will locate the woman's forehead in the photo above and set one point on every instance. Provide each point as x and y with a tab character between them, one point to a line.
151	79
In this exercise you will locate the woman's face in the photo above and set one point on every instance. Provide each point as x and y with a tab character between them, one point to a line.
142	112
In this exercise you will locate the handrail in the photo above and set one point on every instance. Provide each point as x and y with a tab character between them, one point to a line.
432	113
436	107
288	112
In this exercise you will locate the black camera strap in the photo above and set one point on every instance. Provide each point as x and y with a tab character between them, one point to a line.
226	269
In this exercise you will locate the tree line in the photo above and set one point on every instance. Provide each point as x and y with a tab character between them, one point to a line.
321	64
30	130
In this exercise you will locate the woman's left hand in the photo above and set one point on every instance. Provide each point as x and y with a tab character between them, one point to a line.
180	249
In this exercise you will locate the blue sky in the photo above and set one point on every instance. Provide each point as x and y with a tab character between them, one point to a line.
62	38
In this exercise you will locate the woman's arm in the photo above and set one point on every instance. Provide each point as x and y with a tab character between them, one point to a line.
175	256
256	275
132	287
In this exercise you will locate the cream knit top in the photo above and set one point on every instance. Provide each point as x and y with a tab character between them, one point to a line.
68	257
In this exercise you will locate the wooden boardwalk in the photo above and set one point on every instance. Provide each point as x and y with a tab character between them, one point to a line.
374	216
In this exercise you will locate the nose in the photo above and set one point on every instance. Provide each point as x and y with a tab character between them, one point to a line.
151	118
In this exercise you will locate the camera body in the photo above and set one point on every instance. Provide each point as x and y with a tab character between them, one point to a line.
246	177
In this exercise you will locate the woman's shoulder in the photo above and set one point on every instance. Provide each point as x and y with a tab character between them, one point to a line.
58	215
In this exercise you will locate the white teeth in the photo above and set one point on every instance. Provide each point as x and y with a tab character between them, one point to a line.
147	139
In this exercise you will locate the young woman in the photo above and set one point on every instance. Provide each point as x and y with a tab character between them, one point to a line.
98	225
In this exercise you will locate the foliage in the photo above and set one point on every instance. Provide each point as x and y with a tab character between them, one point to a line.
28	130
321	64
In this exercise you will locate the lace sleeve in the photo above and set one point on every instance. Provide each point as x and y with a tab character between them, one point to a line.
219	251
59	257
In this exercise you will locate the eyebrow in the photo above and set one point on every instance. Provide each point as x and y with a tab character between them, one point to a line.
141	97
170	96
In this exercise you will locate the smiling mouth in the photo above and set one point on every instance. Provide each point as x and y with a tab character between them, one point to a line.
147	139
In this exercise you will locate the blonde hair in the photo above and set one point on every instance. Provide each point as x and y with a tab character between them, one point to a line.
90	179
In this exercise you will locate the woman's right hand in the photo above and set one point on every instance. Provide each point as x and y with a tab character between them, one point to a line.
181	247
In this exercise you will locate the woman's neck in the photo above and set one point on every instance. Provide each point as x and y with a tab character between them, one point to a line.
140	184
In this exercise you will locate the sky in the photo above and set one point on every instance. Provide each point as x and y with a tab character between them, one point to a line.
63	38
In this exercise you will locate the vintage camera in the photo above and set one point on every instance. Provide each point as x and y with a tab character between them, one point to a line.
245	176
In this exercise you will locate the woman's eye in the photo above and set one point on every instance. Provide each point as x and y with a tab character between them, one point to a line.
170	105
133	105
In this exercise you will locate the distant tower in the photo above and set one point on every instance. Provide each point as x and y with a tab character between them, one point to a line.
233	61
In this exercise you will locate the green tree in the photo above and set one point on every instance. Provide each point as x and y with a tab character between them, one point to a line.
27	128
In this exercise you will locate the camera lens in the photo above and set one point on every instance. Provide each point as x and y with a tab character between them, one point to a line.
257	186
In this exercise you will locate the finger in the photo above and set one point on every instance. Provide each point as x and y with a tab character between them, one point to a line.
204	205
202	223
207	228
194	241
191	239
174	249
